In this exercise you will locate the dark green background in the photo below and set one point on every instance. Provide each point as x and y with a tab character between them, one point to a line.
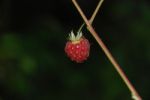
34	66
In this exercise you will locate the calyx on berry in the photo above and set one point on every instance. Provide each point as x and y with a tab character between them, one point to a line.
74	38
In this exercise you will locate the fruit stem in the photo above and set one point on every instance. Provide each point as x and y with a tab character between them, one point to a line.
93	15
79	30
134	93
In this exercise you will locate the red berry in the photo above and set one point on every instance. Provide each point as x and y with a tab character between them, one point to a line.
77	48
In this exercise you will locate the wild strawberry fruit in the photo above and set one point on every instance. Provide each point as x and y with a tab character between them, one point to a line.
77	48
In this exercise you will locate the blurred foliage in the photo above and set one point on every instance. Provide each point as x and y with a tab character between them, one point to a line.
33	65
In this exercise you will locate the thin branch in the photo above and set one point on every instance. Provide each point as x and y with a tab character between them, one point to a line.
134	93
96	11
93	15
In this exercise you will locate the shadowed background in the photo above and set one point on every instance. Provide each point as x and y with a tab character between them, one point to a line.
33	65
